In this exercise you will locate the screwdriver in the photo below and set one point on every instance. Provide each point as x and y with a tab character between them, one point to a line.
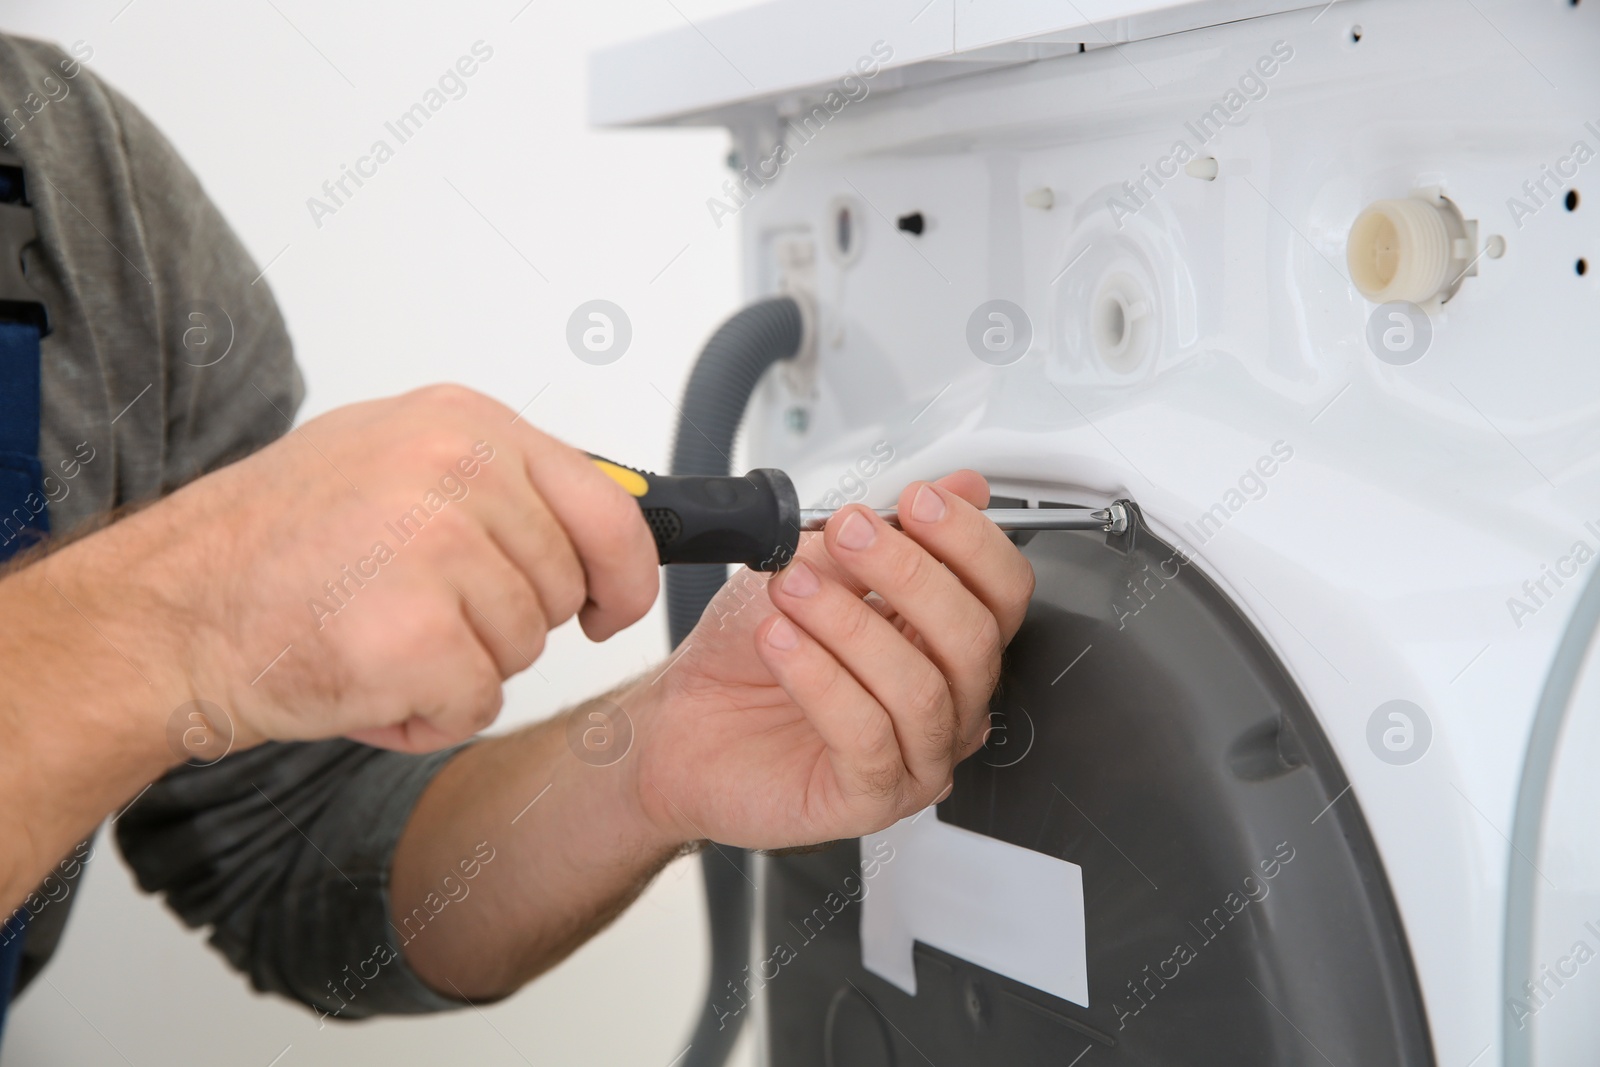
757	519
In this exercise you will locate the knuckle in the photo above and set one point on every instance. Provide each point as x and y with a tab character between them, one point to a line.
917	797
930	694
993	674
432	449
929	702
571	601
984	644
908	566
568	591
561	576
421	631
454	526
942	734
971	739
833	688
637	597
880	780
542	527
486	698
855	623
532	645
1021	592
447	395
883	749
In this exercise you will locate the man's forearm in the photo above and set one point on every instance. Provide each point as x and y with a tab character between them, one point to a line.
83	710
517	853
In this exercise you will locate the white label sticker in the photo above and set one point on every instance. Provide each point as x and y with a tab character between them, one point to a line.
1003	907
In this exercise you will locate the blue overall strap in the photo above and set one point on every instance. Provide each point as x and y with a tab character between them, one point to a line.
24	518
12	936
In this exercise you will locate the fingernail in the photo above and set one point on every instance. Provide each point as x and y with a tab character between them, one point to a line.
856	532
800	580
927	505
946	792
783	635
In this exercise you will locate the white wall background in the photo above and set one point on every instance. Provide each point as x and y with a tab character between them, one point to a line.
410	284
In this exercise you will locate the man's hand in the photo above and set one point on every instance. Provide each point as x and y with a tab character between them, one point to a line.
803	710
402	556
376	574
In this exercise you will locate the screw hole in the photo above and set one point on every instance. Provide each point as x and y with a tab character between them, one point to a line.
912	223
1355	34
1572	200
1582	267
844	228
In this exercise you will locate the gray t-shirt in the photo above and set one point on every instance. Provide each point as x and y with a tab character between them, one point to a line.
283	850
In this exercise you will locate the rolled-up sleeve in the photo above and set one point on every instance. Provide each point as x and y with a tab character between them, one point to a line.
285	852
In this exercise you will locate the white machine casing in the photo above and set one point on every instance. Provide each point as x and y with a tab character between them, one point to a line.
1429	525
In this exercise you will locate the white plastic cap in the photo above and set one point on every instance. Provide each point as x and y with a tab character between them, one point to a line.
1403	250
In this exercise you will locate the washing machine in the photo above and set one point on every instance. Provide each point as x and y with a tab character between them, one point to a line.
1299	766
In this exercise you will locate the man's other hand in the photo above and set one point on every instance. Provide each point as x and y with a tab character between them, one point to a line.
803	709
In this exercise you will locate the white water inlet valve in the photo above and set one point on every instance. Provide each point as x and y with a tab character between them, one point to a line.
1417	248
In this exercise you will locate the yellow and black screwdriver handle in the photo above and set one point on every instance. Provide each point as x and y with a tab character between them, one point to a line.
753	519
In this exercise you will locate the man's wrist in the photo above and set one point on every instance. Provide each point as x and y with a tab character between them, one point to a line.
561	801
85	710
102	671
633	711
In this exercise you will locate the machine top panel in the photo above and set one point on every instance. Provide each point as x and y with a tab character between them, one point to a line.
726	70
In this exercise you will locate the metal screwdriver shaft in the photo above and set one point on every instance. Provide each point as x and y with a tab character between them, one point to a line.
1113	519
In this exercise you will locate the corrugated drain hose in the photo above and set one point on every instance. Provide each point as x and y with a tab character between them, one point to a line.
719	389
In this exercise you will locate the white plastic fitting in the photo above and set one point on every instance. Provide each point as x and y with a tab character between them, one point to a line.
1415	249
1120	322
797	278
